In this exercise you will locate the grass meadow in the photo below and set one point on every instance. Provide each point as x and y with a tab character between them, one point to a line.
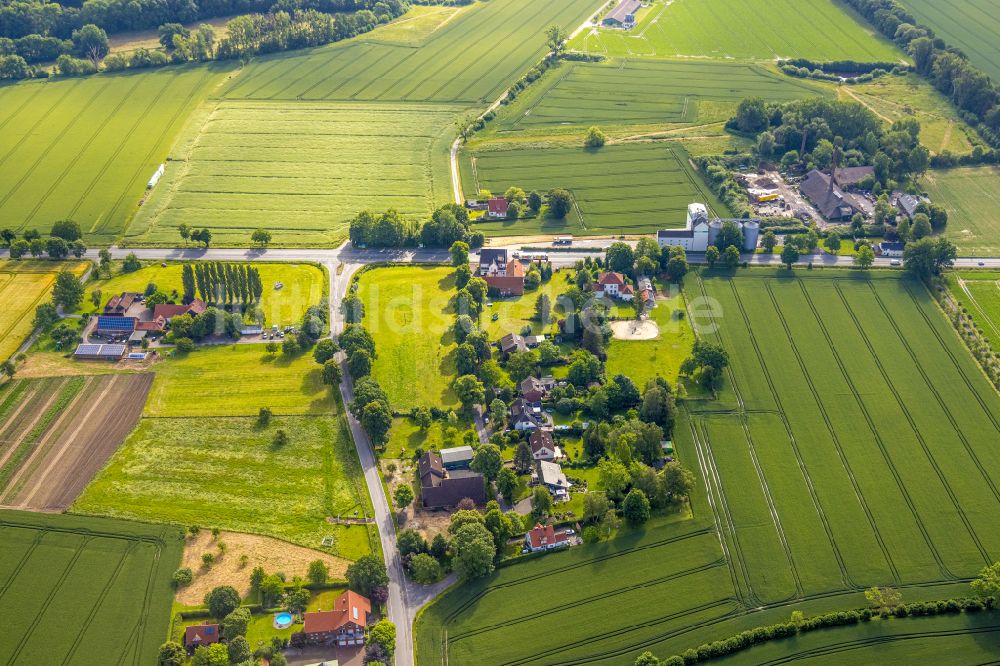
84	590
84	148
755	30
470	59
642	360
979	293
237	380
646	93
972	197
303	287
25	284
226	472
971	25
631	188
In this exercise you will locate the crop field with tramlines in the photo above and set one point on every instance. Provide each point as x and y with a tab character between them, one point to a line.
23	286
77	590
646	92
972	197
971	25
85	148
852	445
469	60
301	170
979	293
627	188
755	29
56	433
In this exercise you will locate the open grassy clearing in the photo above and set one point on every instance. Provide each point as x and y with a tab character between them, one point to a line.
972	197
408	313
226	472
642	360
496	42
821	488
646	93
303	287
23	286
237	380
979	293
415	26
632	188
755	29
58	432
898	97
301	170
84	148
971	25
84	590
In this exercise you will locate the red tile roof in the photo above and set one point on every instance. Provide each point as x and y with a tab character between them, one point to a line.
170	310
509	284
540	537
498	206
515	268
201	634
611	278
350	609
157	324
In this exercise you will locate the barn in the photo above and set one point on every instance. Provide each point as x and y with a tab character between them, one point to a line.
115	326
92	352
622	16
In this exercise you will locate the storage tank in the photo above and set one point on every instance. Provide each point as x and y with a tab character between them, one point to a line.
751	230
696	212
714	228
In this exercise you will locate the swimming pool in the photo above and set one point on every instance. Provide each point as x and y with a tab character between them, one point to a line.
282	620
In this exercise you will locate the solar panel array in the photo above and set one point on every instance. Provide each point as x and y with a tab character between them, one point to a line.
123	324
108	351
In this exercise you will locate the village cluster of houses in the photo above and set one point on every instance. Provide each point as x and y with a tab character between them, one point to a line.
343	625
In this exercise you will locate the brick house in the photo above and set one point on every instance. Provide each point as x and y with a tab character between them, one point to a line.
344	625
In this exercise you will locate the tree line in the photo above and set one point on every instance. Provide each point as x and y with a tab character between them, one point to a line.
65	239
218	282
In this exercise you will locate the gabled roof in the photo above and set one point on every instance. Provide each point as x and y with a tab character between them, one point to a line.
540	439
201	634
498	206
430	468
624	8
512	342
531	383
155	324
515	268
488	256
551	474
120	303
831	203
611	278
890	246
546	536
847	176
350	608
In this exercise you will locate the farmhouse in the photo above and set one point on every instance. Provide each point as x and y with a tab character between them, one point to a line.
550	475
543	447
200	634
511	283
169	310
445	488
622	16
907	203
832	202
512	342
694	236
497	207
117	306
492	262
457	458
529	415
345	624
887	249
613	285
534	389
546	538
851	176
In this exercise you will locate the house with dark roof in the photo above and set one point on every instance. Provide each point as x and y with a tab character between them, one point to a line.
622	16
545	537
534	389
511	343
907	203
543	446
441	488
528	416
833	203
344	624
492	262
197	635
887	249
851	176
117	306
496	207
510	283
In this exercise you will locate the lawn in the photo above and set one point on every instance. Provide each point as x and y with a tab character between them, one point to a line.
237	380
301	170
647	93
470	59
751	30
303	288
632	188
979	293
84	148
228	473
23	286
642	360
972	198
408	313
971	25
84	590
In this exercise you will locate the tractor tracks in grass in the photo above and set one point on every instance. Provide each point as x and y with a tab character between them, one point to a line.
873	428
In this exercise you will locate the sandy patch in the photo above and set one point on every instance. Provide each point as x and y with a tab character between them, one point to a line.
635	330
272	554
427	523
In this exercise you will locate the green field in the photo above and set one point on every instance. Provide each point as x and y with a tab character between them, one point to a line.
84	590
408	313
85	148
835	459
237	380
631	188
642	360
470	59
303	287
971	25
979	293
301	170
972	197
645	92
753	29
227	473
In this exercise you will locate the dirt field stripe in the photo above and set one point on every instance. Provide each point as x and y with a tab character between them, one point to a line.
67	440
28	427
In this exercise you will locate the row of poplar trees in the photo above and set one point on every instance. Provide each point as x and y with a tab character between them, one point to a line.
222	283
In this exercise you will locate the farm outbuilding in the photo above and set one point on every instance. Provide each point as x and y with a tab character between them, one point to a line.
91	352
623	16
114	325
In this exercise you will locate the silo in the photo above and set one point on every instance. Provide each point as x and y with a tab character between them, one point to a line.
751	230
696	212
714	228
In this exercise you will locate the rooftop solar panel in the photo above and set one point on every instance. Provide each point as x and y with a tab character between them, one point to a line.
116	323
